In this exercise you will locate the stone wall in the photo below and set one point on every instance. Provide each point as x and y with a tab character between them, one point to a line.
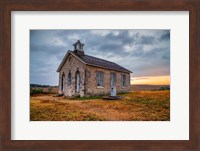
72	65
88	80
91	87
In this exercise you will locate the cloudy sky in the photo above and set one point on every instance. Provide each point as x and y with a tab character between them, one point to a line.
145	52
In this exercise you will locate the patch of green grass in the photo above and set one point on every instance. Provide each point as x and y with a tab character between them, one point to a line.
83	98
90	98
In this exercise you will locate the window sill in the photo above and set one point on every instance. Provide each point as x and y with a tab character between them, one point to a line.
100	87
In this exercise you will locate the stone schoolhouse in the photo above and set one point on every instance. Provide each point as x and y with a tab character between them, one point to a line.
84	75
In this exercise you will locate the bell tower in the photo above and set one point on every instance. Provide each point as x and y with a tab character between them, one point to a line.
78	48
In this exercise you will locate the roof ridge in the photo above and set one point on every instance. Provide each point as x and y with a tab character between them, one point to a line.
101	59
91	60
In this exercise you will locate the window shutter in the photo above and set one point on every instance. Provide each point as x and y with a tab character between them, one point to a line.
97	78
115	79
110	79
121	79
102	79
125	80
68	79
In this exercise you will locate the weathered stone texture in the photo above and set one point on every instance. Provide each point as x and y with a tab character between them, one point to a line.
91	81
72	65
88	80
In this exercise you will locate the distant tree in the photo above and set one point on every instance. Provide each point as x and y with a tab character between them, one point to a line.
36	91
165	88
50	90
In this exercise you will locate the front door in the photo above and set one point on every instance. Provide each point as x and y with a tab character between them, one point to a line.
77	86
113	84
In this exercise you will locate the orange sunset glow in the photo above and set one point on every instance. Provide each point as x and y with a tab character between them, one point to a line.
151	80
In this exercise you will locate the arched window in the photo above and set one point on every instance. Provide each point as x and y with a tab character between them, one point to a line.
70	59
69	79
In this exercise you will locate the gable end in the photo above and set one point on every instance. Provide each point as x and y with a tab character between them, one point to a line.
66	58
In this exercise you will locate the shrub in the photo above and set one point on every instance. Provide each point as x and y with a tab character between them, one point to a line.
164	88
49	90
36	91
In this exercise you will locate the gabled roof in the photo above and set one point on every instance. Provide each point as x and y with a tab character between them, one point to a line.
93	61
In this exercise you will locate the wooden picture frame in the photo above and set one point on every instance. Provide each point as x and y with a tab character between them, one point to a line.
7	6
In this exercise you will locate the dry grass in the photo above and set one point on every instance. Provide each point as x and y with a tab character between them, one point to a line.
135	106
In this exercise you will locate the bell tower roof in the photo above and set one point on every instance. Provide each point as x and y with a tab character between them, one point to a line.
78	48
78	43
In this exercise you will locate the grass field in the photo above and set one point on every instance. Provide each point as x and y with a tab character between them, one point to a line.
135	106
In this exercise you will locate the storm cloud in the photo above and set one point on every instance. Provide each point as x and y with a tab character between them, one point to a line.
144	52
